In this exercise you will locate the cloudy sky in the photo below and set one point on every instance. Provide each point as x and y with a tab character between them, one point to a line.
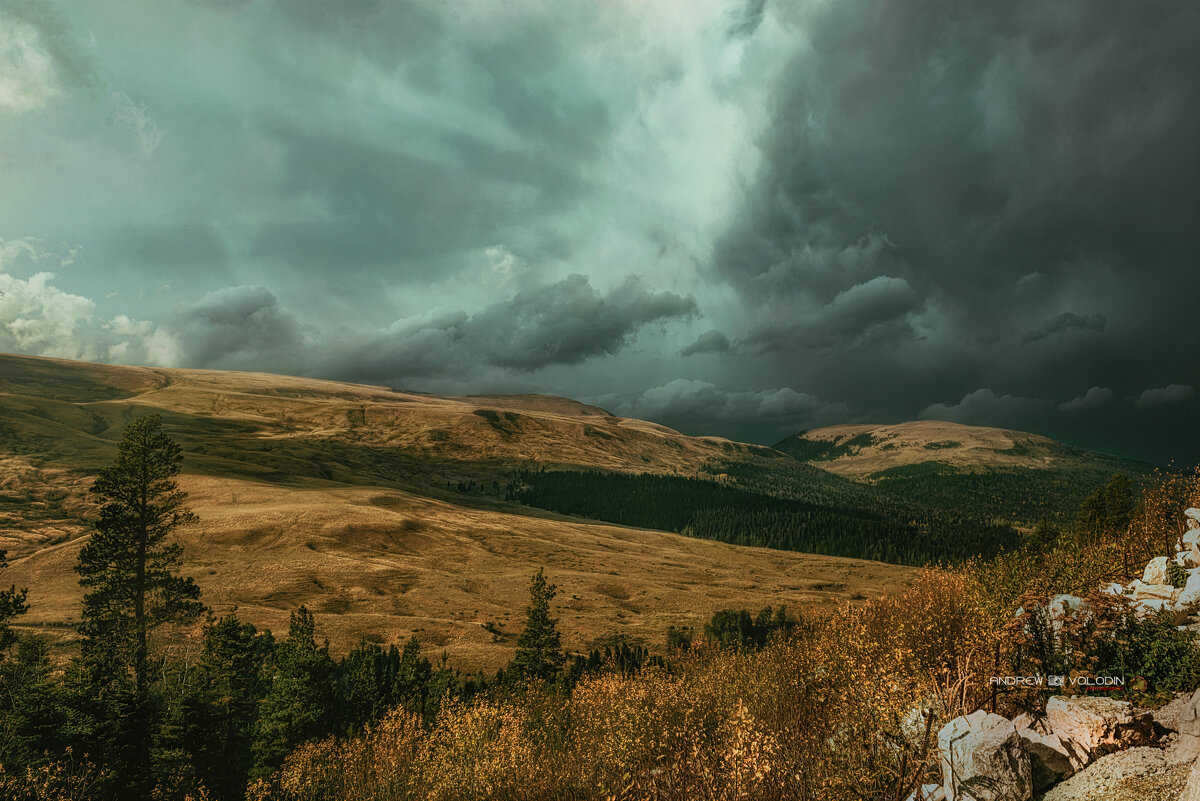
736	217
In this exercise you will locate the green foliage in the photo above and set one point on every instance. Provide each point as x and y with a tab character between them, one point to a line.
822	450
1153	649
736	628
299	703
886	531
12	604
1106	512
128	572
1177	575
220	714
539	651
31	716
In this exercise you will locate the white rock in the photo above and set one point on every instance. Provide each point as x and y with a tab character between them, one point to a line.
1156	571
1084	723
1113	588
928	792
1049	760
1191	537
1186	559
1151	606
1193	513
982	760
1192	791
1191	590
1187	723
1141	590
1065	606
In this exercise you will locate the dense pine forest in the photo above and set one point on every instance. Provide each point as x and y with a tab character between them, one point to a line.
889	531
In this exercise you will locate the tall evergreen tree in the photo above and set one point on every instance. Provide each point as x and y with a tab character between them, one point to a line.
300	702
230	688
539	650
129	573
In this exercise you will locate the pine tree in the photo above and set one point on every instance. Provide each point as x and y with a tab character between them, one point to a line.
12	604
128	572
539	650
222	716
300	701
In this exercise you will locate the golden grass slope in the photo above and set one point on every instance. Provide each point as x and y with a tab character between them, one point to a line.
965	447
335	495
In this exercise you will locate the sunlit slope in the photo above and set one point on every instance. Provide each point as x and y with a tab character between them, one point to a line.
1013	475
347	498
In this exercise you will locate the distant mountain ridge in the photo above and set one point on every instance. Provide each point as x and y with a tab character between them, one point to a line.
998	473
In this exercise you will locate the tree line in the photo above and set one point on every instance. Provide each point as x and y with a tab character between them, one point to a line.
711	510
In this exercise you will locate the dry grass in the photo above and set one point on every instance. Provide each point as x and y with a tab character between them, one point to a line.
962	446
333	495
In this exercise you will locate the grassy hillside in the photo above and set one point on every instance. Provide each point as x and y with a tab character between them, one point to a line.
983	472
347	498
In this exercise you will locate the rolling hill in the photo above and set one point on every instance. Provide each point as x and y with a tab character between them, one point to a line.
993	473
385	511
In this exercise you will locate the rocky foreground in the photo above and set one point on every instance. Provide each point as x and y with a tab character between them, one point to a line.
1087	748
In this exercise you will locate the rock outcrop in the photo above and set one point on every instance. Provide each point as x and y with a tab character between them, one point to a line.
982	759
1085	724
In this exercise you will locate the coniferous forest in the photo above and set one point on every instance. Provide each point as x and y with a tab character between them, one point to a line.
888	532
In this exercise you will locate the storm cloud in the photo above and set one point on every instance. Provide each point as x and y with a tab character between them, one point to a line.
733	216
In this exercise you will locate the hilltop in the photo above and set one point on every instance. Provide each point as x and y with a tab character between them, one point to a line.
1013	475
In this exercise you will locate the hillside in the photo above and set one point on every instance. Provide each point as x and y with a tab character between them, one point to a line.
383	510
992	472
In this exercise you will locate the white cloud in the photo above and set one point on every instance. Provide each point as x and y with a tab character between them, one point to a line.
28	78
137	119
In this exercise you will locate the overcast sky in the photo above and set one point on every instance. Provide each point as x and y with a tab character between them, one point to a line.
735	218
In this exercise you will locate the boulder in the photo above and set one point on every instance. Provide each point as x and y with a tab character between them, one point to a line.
1191	590
1156	571
1187	723
1049	760
1193	514
1085	723
1191	537
1149	607
1190	558
1140	590
1113	588
1064	607
1191	792
982	759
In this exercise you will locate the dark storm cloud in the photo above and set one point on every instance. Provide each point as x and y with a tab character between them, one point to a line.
985	407
703	408
982	211
230	325
709	342
866	313
1065	322
1170	395
386	206
564	323
1004	160
1094	398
